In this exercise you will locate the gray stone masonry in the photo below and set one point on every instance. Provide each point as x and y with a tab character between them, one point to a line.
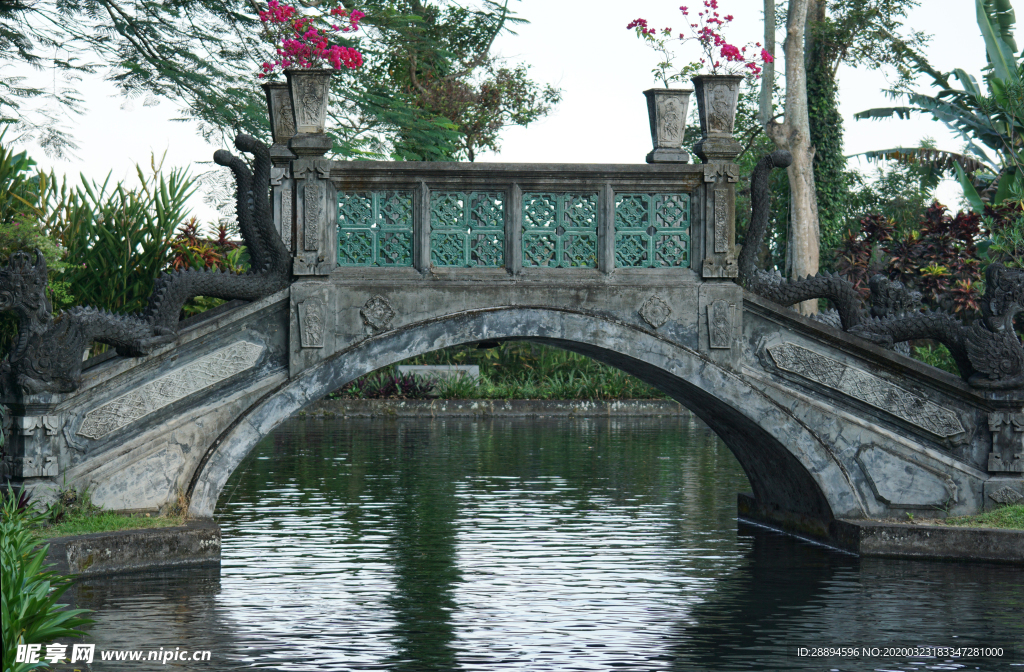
632	265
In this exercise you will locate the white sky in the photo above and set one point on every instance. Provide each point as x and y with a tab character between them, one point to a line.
581	46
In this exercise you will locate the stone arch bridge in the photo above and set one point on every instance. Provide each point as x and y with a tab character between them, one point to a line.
633	265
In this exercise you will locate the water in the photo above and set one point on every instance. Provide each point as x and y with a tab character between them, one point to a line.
532	545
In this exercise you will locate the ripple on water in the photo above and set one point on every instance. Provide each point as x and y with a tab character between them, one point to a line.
538	545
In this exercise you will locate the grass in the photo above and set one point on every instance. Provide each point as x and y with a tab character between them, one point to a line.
1006	518
73	513
512	370
104	521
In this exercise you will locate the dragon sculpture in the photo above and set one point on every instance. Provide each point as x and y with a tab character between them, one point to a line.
988	354
47	356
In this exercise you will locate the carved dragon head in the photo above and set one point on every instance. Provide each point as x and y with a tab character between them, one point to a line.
1004	296
23	286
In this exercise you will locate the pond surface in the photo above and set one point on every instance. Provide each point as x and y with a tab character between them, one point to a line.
587	544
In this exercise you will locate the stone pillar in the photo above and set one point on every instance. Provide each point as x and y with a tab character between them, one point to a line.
315	206
1006	461
717	150
718	198
1007	454
32	454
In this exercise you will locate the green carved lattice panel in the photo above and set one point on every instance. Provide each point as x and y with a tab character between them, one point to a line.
467	229
560	230
375	228
652	230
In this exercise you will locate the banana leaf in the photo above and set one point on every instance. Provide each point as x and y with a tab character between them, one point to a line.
885	113
970	193
1000	54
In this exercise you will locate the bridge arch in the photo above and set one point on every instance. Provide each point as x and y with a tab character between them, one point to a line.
790	469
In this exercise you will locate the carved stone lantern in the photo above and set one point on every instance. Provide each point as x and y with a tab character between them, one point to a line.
666	109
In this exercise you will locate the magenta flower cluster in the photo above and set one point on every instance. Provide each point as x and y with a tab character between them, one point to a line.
719	54
303	42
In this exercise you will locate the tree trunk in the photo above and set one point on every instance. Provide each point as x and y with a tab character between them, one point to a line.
768	72
794	134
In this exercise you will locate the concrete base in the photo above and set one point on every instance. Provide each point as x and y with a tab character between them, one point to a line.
662	155
894	540
929	542
195	543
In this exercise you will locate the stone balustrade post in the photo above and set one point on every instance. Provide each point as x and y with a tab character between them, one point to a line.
717	98
314	206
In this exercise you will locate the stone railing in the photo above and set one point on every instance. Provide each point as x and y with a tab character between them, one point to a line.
515	218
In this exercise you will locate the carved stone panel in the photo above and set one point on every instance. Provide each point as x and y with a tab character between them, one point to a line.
287	210
27	425
314	206
312	318
1007	442
730	172
655	311
1006	495
905	483
33	467
722	220
196	376
866	387
377	312
720	327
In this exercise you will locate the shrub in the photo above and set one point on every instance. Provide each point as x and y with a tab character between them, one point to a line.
29	590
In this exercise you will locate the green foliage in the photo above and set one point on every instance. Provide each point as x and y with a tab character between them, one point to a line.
203	55
522	370
31	614
937	355
103	246
512	370
189	249
938	259
430	79
831	180
900	192
1004	243
118	239
860	33
990	121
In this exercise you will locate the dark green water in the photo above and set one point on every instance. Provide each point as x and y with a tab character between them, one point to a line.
532	545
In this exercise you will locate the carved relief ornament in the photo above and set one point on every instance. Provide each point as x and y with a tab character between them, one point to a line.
867	388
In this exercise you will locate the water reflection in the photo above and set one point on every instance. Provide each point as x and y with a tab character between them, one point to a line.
538	545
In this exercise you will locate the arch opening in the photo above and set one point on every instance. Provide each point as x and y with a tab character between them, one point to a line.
787	466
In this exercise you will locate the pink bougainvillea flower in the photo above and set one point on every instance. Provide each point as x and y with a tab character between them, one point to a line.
305	41
708	32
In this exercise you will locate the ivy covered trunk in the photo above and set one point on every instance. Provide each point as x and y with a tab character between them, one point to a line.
826	126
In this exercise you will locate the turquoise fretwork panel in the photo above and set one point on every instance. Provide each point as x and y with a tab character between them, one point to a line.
652	230
375	228
560	230
467	228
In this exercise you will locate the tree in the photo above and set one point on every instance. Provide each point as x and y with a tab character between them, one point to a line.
793	134
480	109
202	55
991	122
436	58
865	34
